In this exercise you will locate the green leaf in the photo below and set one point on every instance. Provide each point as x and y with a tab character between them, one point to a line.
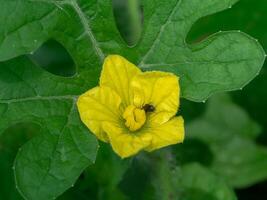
100	180
136	182
157	176
56	156
10	141
50	163
230	134
249	17
109	168
190	182
198	183
225	61
63	148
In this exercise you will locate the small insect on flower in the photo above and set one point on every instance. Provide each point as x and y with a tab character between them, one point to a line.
148	108
131	109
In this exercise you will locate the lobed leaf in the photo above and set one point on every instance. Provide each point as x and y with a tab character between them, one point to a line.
63	148
225	61
50	163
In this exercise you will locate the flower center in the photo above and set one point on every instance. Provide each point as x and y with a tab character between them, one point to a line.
134	117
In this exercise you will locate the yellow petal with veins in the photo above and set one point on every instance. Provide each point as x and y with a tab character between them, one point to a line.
125	143
98	105
117	74
171	132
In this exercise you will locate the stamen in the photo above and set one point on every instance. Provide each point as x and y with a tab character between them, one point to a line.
135	117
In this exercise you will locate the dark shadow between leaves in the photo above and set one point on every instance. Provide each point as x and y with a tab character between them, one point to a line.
193	150
248	17
16	135
128	15
54	58
257	191
10	141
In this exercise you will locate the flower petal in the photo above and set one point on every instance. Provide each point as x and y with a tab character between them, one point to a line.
159	89
172	132
117	74
98	105
126	143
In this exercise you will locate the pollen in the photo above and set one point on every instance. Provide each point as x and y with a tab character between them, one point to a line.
134	117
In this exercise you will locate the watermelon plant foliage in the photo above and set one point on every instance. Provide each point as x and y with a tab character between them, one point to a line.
236	156
50	162
190	181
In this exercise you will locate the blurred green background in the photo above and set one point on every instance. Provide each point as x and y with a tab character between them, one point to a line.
225	151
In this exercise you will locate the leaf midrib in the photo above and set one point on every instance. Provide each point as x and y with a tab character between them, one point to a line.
162	29
87	29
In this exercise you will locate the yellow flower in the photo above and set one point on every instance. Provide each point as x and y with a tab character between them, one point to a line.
133	110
